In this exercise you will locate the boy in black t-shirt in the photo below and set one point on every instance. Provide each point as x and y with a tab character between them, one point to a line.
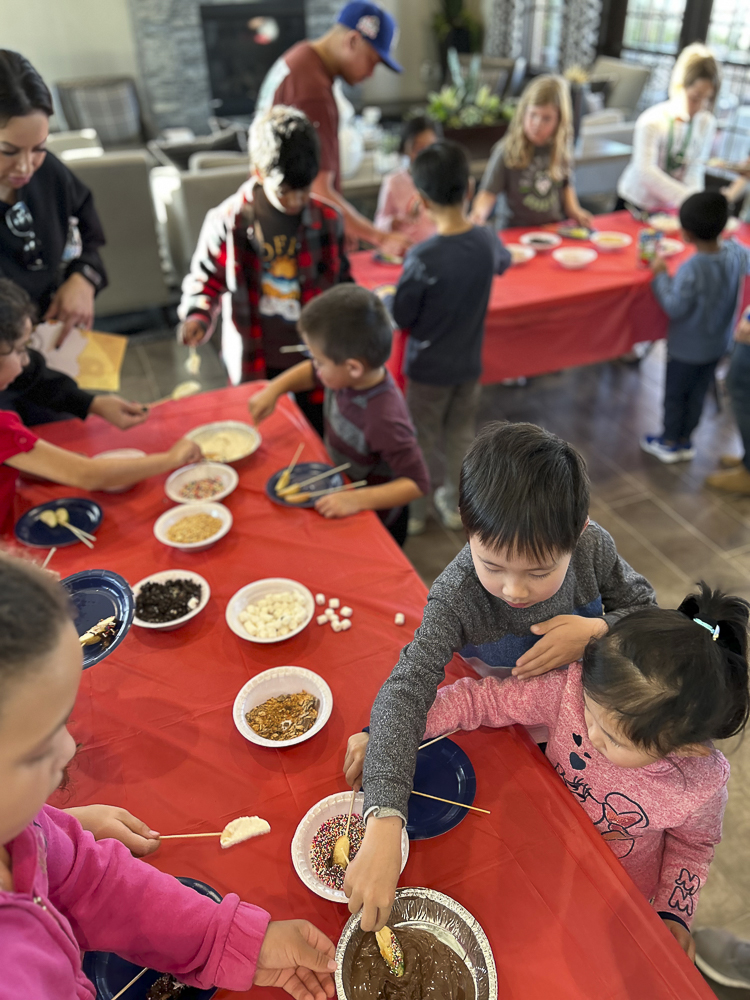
441	300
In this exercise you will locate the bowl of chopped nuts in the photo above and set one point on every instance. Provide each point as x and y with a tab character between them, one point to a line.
270	610
282	707
193	527
201	481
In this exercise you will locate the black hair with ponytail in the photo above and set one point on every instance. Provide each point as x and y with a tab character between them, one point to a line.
674	678
22	90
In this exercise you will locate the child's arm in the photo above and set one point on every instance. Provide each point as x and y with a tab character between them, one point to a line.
676	295
206	282
397	493
412	285
386	211
300	378
503	259
71	469
493	182
112	823
688	852
572	206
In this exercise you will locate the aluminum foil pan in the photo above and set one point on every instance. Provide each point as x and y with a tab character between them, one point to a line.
451	923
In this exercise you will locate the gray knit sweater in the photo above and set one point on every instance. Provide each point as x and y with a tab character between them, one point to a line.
462	617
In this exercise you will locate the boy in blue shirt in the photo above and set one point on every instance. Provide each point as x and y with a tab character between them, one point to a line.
701	302
441	300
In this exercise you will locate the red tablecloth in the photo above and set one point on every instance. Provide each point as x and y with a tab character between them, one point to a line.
542	318
155	724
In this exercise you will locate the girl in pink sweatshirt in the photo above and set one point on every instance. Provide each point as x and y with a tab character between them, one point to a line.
400	207
629	734
61	892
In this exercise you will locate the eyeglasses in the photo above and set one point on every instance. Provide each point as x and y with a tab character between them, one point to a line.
20	222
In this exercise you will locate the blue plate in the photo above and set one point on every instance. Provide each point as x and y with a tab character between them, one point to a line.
82	513
109	973
306	470
97	594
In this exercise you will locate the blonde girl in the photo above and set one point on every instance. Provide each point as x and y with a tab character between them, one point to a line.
529	169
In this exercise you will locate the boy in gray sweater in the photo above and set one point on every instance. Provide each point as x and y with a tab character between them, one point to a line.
536	581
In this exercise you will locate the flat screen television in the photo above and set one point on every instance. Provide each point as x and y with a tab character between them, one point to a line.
243	41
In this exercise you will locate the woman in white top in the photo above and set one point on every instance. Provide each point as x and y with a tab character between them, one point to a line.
672	141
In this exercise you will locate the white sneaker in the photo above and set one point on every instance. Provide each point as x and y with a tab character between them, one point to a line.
448	515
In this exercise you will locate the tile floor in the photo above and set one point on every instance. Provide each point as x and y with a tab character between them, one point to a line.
664	521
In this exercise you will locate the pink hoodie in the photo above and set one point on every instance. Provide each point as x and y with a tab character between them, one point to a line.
662	821
73	894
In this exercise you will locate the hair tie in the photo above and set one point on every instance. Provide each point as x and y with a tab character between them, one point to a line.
712	628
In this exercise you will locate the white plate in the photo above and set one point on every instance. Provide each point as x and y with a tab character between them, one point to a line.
272	683
173	574
170	517
203	432
121	453
201	470
253	592
309	825
669	247
664	223
547	241
609	240
520	254
574	258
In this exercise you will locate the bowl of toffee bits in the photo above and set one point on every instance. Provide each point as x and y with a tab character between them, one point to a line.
282	707
169	599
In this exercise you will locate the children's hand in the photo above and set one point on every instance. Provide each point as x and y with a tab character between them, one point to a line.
342	504
658	266
563	640
110	822
372	877
118	411
192	333
298	958
184	452
742	335
262	404
684	937
583	218
395	244
354	761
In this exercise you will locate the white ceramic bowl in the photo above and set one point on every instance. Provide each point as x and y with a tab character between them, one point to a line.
121	453
170	517
173	574
271	684
669	247
201	435
574	258
664	222
253	592
610	240
541	241
311	822
520	254
201	470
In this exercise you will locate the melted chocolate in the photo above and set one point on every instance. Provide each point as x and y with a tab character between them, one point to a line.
431	971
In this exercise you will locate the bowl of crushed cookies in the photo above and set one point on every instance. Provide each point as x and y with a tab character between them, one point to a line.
193	527
270	610
282	707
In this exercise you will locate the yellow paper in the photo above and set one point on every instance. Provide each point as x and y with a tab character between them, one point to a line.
100	362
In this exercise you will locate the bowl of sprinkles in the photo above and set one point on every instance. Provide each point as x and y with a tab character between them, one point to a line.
193	527
167	600
202	481
315	837
282	707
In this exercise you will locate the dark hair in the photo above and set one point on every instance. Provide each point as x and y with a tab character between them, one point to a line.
666	679
22	90
349	321
415	126
284	139
441	173
704	214
15	307
524	490
33	609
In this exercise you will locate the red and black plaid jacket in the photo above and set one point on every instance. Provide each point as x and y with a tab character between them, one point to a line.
228	259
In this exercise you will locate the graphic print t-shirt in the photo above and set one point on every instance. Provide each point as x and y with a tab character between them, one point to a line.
526	197
280	288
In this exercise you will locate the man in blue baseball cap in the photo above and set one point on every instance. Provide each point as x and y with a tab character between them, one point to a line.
303	78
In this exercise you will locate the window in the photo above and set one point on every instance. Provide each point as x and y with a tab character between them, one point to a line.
652	38
541	32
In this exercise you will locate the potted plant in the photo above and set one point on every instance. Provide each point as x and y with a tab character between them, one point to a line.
457	28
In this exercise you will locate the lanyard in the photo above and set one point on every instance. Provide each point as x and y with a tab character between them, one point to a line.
676	157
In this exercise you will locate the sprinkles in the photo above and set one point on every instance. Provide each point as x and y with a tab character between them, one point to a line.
202	489
322	848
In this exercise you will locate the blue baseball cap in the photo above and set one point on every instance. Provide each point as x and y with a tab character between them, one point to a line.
375	25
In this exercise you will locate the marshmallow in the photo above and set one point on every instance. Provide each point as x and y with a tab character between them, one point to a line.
334	602
400	618
346	612
346	624
320	599
321	619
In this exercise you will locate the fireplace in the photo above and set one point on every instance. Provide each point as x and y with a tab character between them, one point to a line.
242	42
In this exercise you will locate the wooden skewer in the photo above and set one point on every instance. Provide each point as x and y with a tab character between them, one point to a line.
438	738
292	348
77	533
335	489
351	806
187	836
321	475
128	985
450	802
298	452
49	556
